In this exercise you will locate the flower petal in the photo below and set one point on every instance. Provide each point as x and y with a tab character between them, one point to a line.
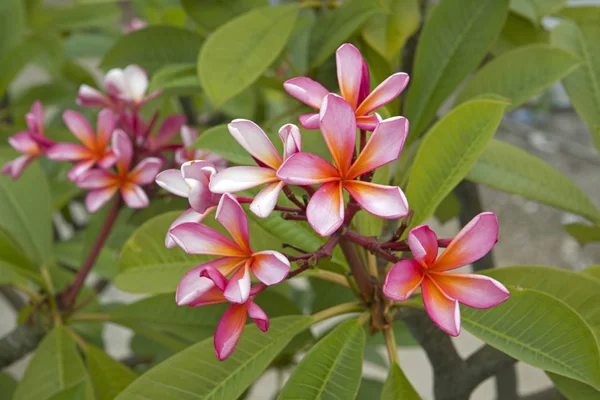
172	181
270	267
477	291
423	245
68	152
24	142
80	169
146	171
235	179
196	289
306	90
256	142
473	241
238	287
384	146
134	196
108	160
80	127
387	91
349	64
325	211
35	118
97	198
115	84
105	126
15	167
442	310
122	147
291	139
97	179
136	80
384	201
257	314
188	215
338	126
368	122
197	176
309	121
402	280
307	169
231	215
264	202
196	238
188	135
170	127
87	96
229	330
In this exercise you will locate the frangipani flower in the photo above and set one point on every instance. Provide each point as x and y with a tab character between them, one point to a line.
270	267
355	85
135	25
94	149
443	291
169	128
190	181
104	184
32	143
123	87
325	211
188	153
230	327
257	143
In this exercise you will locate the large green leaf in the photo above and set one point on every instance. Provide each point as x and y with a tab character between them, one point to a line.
25	209
14	258
593	271
195	373
71	254
517	32
210	14
506	167
397	386
448	152
572	389
8	385
583	84
540	330
109	377
453	41
334	27
97	14
584	234
12	24
238	53
218	140
535	10
177	79
154	47
388	32
331	369
55	367
521	74
369	389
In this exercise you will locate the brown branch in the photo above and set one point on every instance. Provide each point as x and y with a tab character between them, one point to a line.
19	342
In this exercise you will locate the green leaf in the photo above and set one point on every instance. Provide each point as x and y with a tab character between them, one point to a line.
448	152
593	271
176	80
72	255
572	389
540	330
109	377
388	33
14	258
196	373
332	368
455	38
147	266
521	74
535	10
154	47
517	32
98	14
12	24
583	84
87	45
55	367
8	385
25	209
218	140
210	14
447	209
506	167
369	389
584	234
334	27
397	386
238	53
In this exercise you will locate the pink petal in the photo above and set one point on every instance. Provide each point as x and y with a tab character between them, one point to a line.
115	84
256	142
476	291
68	152
146	170
291	139
172	181
235	179
136	80
231	215
423	245
474	241
15	167
188	135
80	127
90	97
338	126
384	146
365	83
217	271
105	125
134	196
23	142
325	211
35	118
122	147
270	267
108	160
257	314
309	121
238	287
368	122
195	288
97	179
200	239
188	215
306	90
387	91
264	202
349	63
80	169
402	280
307	169
384	201
442	310
97	198
229	330
197	176
170	127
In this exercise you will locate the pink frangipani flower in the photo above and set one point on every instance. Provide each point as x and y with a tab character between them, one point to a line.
325	211
94	149
355	85
31	143
169	128
230	327
190	181
257	143
443	291
188	153
270	267
104	184
135	25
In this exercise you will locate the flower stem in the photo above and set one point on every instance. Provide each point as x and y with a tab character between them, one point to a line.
357	268
90	317
344	308
390	344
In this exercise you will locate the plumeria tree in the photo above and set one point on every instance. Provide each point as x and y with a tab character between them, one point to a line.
283	163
